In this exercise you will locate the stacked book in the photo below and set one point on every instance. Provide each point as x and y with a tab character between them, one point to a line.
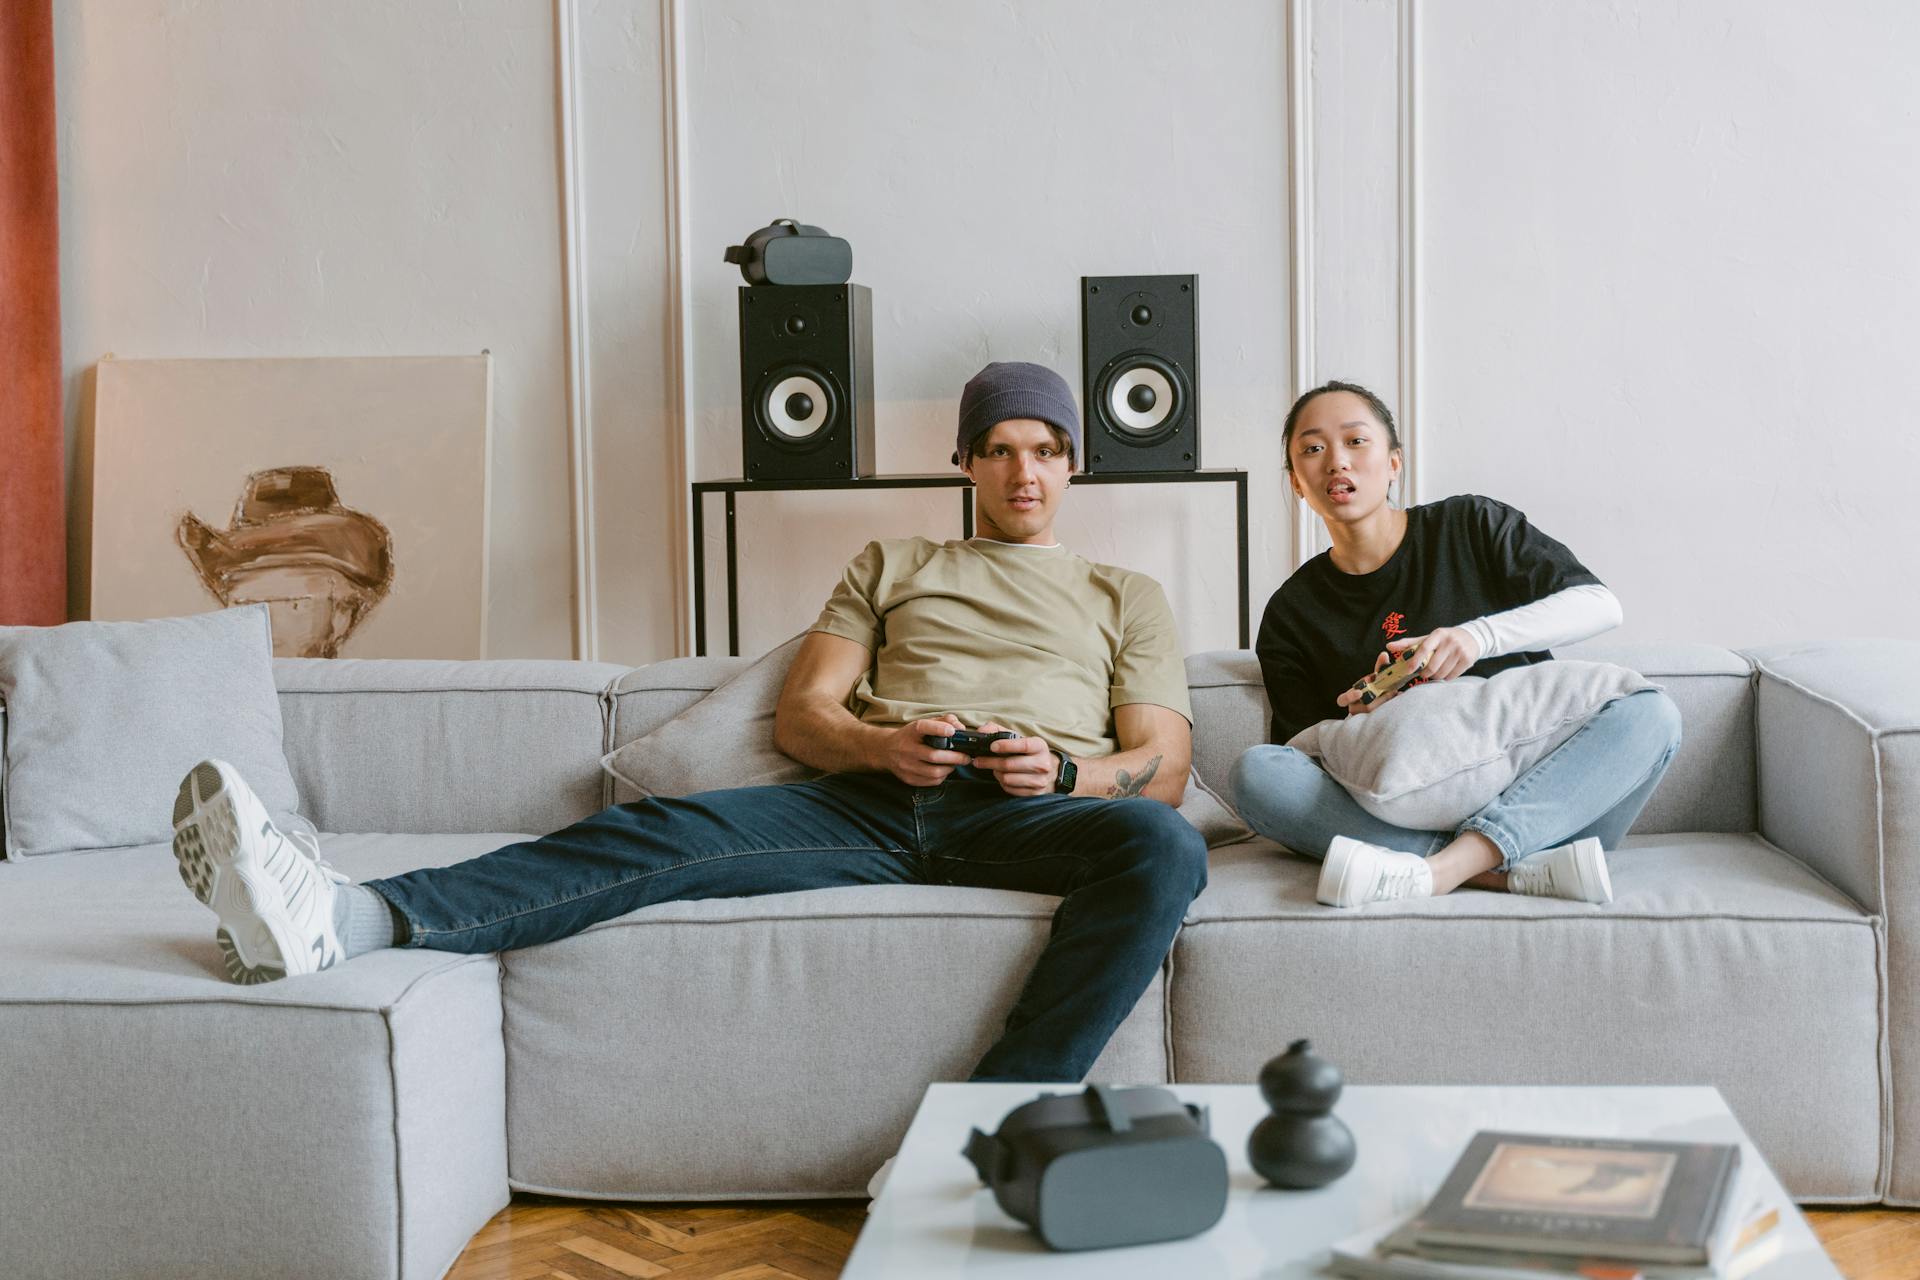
1521	1205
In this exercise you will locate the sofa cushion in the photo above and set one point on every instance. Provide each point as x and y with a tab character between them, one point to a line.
119	925
248	1120
740	1048
647	697
1719	961
1434	756
105	718
1711	784
403	745
723	737
1229	711
1208	812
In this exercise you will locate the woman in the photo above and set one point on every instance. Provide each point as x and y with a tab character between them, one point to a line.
1470	587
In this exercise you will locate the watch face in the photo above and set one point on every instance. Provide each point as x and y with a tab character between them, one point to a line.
1068	775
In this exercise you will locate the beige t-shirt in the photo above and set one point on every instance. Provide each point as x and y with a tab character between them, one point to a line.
1034	638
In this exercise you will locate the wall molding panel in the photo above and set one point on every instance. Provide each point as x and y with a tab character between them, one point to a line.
1413	433
1359	183
1306	526
578	342
679	327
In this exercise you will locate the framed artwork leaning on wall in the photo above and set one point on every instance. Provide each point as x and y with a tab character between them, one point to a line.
349	495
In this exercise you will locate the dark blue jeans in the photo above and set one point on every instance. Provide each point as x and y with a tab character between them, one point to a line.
1126	868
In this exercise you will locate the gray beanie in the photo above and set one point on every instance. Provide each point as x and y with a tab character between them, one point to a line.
1014	389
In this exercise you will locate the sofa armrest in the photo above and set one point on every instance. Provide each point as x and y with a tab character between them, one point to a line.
1838	730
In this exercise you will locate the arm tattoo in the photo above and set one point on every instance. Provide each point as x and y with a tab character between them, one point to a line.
1132	784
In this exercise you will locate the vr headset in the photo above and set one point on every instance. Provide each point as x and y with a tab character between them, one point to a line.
1106	1167
786	252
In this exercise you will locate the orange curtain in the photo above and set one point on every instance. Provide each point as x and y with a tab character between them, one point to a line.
33	533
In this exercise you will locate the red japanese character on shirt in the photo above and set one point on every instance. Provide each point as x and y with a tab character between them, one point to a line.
1393	625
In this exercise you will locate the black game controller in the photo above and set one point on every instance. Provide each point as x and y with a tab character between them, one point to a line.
967	742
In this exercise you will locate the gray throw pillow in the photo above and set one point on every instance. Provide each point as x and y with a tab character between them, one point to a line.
1437	754
1210	815
725	740
105	718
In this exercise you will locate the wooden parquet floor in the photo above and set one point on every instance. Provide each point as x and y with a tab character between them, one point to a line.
1870	1243
539	1238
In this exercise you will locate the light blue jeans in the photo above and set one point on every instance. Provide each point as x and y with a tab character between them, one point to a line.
1594	784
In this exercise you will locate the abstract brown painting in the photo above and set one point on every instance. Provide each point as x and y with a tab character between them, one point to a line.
348	494
319	567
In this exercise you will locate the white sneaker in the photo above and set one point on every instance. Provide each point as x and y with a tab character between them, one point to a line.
274	898
1355	874
1576	871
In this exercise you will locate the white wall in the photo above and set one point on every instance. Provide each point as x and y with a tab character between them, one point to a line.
981	159
1668	291
301	179
1665	298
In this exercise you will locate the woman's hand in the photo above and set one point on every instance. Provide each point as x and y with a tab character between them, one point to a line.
1446	651
1350	699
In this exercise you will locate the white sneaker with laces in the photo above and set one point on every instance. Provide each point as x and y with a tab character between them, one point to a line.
1356	873
1576	871
274	896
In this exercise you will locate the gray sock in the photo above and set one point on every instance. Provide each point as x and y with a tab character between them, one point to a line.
363	920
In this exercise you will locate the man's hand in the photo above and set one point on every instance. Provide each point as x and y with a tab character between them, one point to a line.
1447	652
1025	766
911	760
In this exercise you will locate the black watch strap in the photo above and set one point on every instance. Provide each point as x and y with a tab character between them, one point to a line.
1067	775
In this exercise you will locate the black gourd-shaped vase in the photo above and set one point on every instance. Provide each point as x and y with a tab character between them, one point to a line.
1302	1144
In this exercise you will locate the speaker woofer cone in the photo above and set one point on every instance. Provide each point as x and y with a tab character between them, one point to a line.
1142	396
796	407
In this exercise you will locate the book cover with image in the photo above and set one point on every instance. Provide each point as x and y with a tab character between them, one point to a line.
1620	1198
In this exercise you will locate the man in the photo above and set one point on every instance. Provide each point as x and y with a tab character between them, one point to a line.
1004	632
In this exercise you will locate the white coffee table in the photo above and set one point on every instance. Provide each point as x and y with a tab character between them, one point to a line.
934	1219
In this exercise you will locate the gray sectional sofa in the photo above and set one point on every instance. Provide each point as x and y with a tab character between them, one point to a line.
364	1122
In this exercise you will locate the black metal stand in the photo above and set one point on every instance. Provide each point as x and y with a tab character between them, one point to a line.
953	480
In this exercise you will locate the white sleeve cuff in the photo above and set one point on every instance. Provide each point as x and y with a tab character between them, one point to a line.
1565	617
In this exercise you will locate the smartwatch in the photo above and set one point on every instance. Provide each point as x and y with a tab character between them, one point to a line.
1067	776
